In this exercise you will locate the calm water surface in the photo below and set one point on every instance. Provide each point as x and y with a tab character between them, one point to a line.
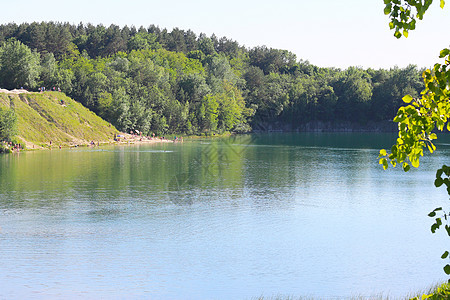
236	218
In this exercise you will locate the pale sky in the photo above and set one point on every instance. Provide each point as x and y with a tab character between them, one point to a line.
328	33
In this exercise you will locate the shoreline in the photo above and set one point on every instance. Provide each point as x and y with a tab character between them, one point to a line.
124	139
134	139
130	139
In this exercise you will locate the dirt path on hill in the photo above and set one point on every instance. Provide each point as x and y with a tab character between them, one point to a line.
15	91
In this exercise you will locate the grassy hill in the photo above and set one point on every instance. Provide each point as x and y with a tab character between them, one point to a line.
52	116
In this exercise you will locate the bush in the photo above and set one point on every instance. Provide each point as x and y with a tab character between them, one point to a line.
8	124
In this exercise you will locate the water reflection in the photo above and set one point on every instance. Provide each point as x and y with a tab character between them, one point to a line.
220	218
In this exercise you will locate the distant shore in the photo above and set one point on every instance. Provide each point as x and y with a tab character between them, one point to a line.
328	126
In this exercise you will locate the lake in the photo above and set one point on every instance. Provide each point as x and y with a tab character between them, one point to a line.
299	214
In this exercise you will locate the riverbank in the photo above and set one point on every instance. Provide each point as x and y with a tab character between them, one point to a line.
121	139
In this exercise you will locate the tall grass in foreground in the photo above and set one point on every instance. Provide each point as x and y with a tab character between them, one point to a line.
439	291
435	292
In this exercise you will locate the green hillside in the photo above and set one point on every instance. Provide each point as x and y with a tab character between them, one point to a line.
52	116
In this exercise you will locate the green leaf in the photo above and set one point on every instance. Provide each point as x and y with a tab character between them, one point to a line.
446	170
405	33
434	227
387	9
407	99
406	167
397	34
447	228
432	214
447	269
445	255
444	52
383	161
412	25
420	12
383	152
442	3
391	25
394	150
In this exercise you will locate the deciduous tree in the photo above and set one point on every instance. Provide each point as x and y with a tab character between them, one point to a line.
19	66
421	116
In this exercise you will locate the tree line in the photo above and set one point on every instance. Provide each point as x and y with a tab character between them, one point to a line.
153	80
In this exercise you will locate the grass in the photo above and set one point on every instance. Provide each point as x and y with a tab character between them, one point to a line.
438	291
52	116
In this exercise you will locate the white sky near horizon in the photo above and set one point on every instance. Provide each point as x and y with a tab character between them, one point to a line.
327	33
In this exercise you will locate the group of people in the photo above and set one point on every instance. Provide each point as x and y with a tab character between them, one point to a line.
42	89
137	135
11	146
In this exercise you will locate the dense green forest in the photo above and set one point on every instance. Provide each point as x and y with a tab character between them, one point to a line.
153	80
